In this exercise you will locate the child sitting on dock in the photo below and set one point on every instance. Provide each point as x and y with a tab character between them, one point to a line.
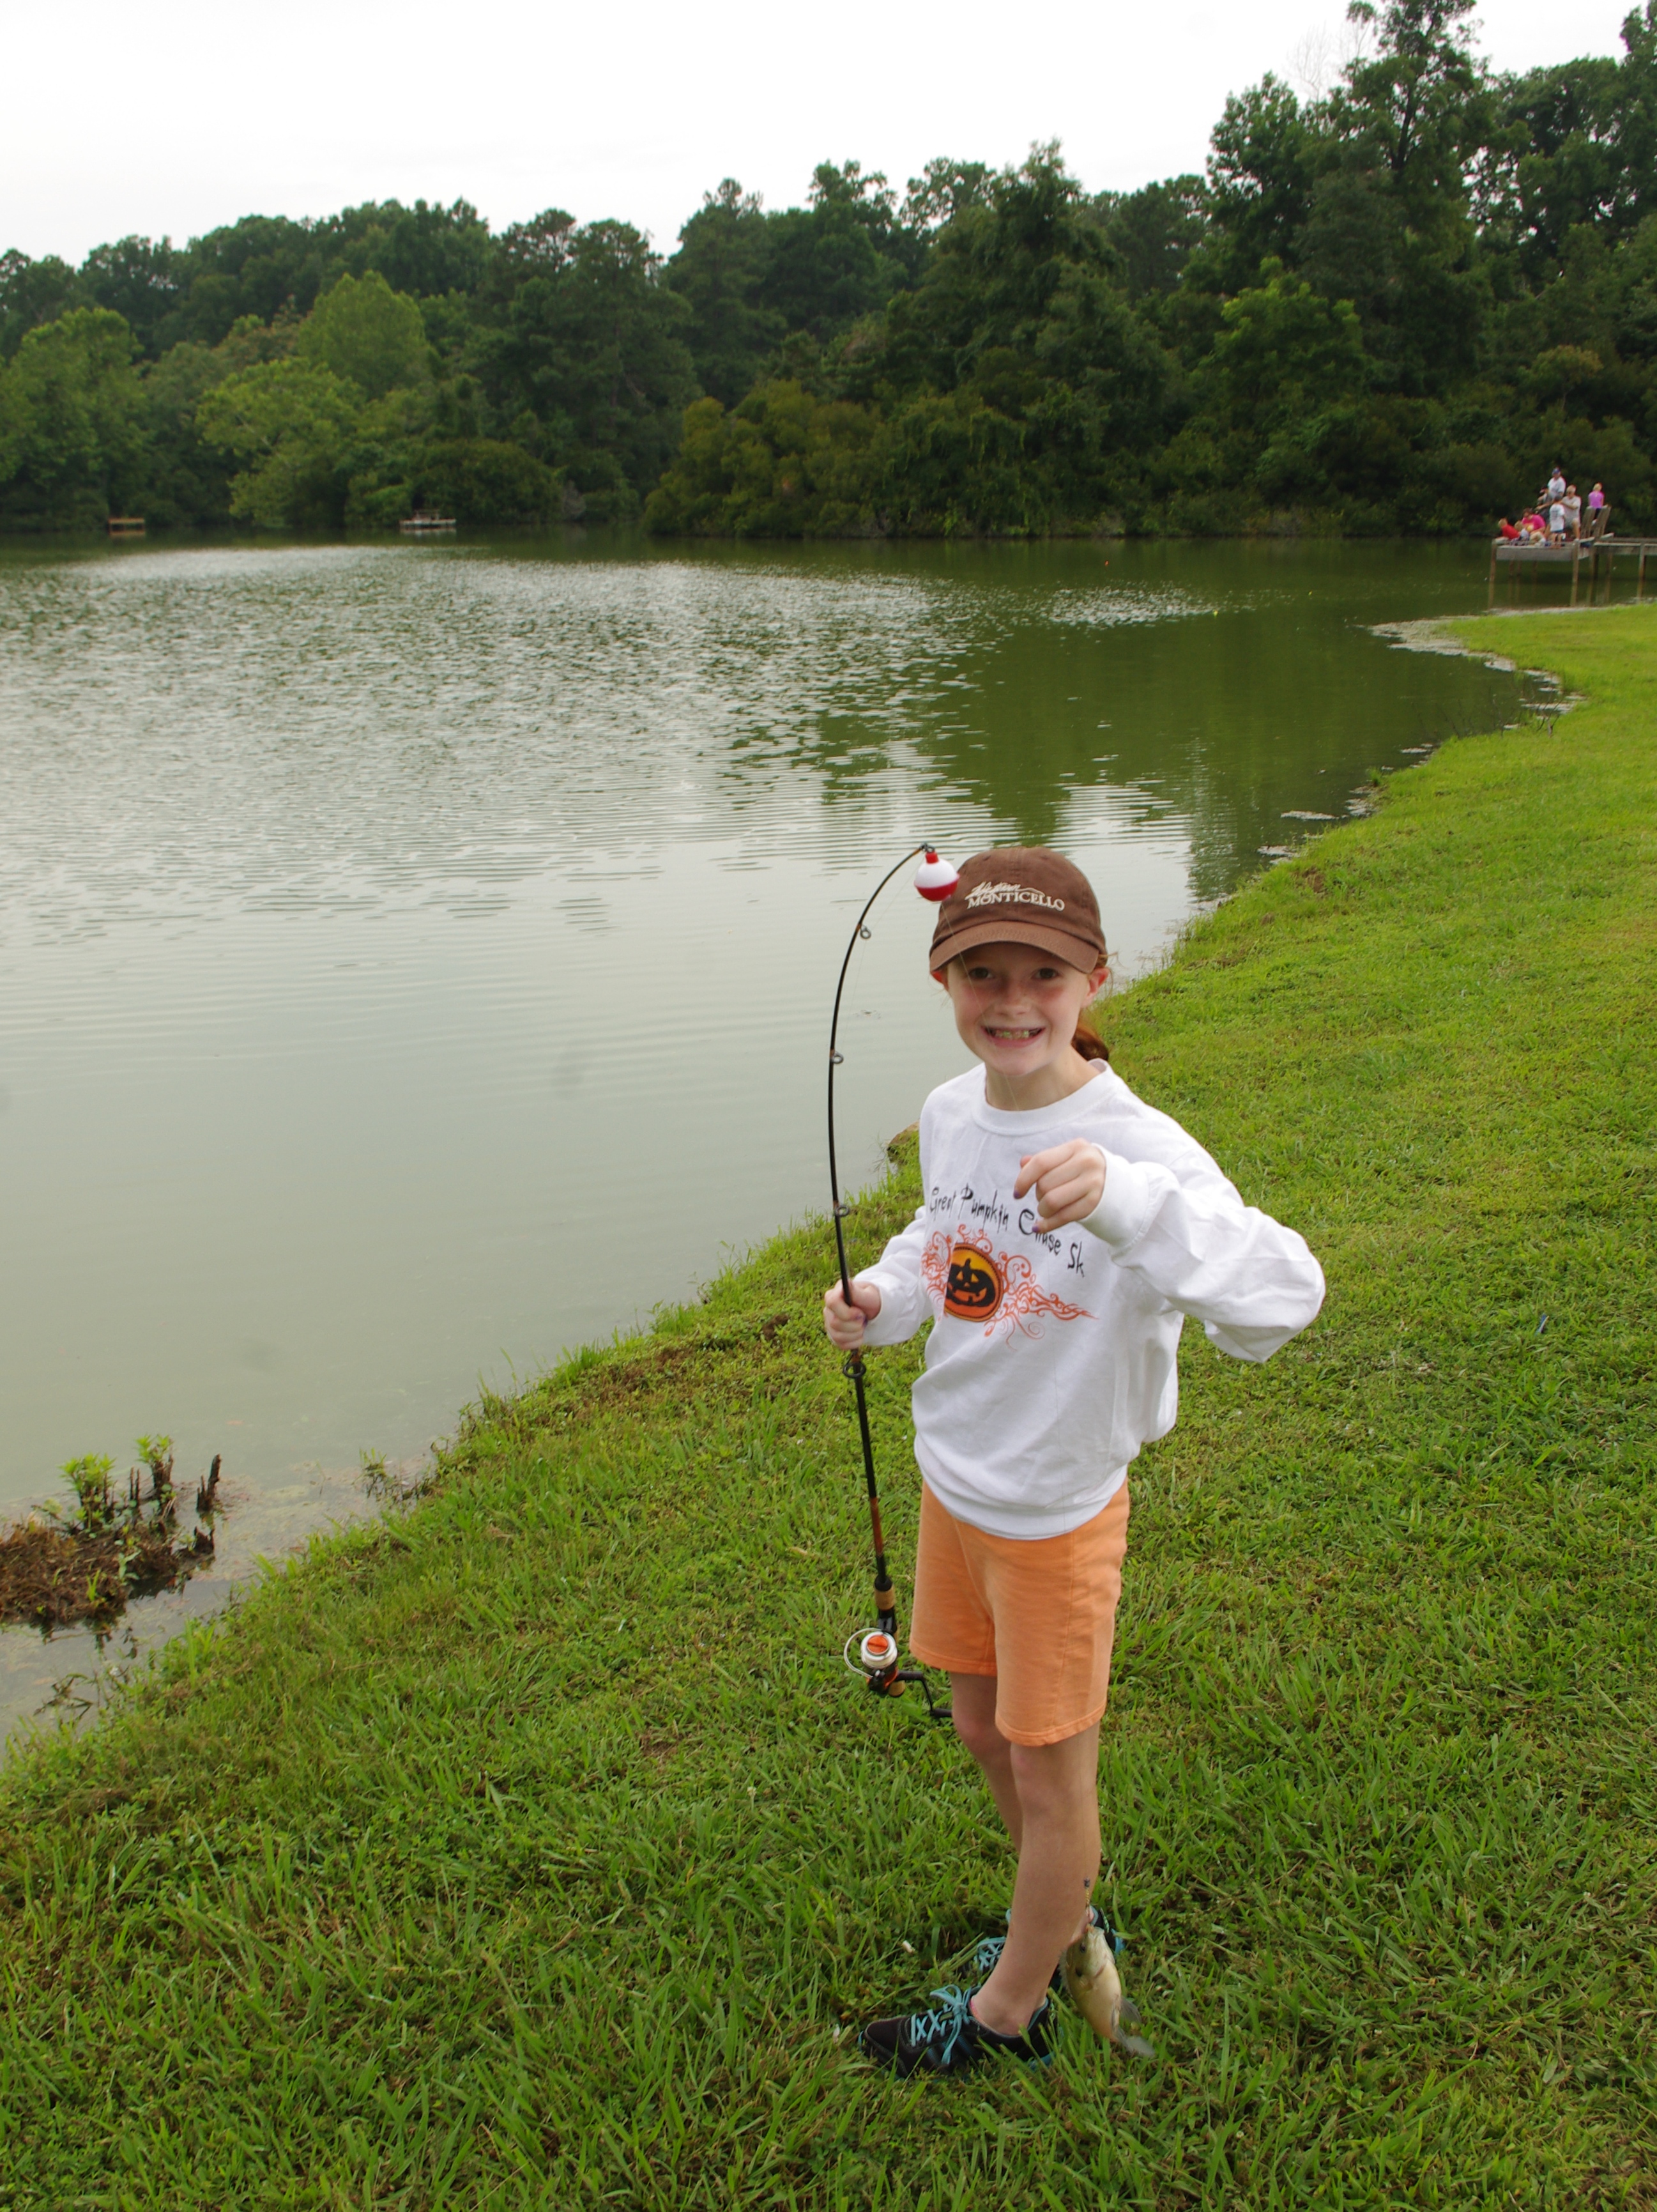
1066	1232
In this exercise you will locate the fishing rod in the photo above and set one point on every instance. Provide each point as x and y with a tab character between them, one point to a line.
878	1650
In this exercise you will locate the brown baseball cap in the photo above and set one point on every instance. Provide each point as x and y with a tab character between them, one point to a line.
1021	894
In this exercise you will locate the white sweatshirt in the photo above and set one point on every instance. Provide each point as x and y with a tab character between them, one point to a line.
1054	1358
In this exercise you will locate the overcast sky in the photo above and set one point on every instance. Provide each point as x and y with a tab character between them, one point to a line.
178	116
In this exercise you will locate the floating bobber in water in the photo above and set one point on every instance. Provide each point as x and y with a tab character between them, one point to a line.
934	878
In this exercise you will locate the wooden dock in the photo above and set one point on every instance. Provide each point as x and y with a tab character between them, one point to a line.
126	525
1597	555
419	524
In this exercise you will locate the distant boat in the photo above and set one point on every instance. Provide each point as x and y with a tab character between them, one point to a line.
126	525
418	522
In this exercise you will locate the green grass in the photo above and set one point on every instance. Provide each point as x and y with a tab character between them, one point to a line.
534	1850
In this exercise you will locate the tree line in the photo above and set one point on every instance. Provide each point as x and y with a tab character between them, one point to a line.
1389	304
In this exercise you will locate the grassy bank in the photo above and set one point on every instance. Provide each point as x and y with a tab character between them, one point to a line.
533	1849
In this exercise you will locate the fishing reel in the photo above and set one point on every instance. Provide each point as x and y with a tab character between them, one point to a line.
876	1660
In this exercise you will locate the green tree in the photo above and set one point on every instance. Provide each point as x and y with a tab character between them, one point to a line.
291	423
1284	353
785	463
184	478
429	250
249	342
366	335
1261	171
841	257
482	480
1637	134
260	266
1392	227
1056	391
1154	232
1574	145
31	292
137	278
1554	162
725	255
1418	102
72	420
264	265
944	189
1281	399
591	341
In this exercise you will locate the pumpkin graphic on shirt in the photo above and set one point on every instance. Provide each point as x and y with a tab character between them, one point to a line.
974	1284
969	1280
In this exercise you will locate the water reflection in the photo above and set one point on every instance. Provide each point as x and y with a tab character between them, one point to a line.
417	959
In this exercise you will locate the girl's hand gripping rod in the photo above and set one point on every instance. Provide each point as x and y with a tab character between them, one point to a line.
877	1649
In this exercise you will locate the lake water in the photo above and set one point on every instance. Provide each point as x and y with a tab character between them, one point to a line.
416	959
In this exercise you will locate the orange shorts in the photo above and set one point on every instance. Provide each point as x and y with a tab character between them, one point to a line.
1039	1613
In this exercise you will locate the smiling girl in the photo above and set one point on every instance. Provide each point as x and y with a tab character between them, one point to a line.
1065	1233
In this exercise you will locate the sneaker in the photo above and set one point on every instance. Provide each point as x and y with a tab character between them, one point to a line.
987	1956
949	2039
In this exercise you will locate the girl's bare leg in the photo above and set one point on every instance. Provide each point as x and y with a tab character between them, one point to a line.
1048	1798
972	1699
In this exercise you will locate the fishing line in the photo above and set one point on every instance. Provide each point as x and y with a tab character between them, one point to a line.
879	1653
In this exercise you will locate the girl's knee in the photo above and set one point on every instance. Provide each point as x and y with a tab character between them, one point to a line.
978	1731
972	1702
1031	1771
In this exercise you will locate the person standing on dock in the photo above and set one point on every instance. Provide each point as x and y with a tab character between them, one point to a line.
1065	1233
1573	506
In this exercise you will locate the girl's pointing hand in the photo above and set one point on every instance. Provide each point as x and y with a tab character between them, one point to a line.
1069	1183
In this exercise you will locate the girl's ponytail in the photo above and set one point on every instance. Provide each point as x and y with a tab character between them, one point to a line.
1088	1043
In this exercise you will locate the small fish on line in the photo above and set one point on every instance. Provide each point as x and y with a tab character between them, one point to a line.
1096	1990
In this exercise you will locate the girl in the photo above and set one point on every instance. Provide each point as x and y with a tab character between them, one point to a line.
1066	1232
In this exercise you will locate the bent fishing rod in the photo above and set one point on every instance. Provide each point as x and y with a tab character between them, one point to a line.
878	1651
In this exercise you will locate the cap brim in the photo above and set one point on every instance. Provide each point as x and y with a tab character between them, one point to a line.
1078	951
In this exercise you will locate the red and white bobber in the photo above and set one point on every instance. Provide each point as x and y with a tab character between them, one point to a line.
934	878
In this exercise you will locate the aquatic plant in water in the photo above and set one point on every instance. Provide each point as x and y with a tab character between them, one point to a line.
60	1566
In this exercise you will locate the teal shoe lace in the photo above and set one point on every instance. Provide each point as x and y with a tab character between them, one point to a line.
944	2026
987	1957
